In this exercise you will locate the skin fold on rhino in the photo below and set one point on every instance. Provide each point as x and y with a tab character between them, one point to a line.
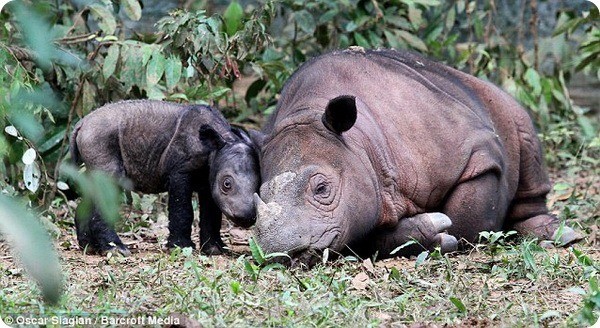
370	149
159	146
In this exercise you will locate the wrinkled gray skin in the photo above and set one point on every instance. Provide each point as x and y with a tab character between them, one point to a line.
155	146
368	150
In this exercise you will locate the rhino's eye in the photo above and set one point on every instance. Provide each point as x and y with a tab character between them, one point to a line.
226	184
322	189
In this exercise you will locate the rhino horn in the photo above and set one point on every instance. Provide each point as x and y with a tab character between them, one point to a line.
261	206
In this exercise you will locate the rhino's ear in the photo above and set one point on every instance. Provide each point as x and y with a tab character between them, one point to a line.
340	114
211	138
242	135
257	137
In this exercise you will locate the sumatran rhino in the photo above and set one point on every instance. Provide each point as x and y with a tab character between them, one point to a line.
370	149
159	146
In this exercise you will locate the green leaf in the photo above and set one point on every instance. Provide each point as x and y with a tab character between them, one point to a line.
459	304
254	89
96	188
173	69
421	258
533	79
155	92
155	68
589	131
132	9
408	243
110	61
412	40
88	97
32	245
450	18
52	141
583	258
147	51
273	266
235	287
361	40
105	18
233	17
415	16
305	21
257	252
392	40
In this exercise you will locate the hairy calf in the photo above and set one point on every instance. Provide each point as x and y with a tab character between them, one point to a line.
158	146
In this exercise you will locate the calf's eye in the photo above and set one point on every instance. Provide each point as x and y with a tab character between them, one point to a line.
226	184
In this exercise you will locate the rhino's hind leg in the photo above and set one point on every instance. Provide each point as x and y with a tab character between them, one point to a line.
95	235
426	229
530	217
528	213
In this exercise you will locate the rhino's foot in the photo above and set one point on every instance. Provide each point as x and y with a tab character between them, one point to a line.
213	249
213	245
103	248
566	236
547	227
122	249
439	222
428	230
109	243
180	242
446	242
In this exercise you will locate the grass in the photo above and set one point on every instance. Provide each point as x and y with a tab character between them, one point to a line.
504	282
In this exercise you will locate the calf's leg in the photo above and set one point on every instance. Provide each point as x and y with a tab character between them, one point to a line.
181	212
95	234
210	226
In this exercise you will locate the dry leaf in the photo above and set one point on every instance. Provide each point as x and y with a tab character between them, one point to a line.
368	265
361	281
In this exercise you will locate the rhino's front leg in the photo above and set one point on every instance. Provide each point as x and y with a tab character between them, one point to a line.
181	212
210	226
426	229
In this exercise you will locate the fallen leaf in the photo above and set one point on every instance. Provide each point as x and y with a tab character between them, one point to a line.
368	265
360	281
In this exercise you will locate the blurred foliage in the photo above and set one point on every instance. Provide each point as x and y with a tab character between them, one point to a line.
61	59
32	246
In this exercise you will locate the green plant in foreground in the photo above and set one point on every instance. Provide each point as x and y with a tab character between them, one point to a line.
262	261
33	246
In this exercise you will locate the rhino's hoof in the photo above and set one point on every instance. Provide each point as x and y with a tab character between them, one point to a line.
213	250
447	243
181	244
566	236
116	250
440	221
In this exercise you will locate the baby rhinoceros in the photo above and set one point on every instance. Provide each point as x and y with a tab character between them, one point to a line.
160	146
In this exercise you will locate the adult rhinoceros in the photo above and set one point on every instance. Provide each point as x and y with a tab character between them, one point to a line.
369	149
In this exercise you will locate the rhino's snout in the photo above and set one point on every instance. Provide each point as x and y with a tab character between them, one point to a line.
275	232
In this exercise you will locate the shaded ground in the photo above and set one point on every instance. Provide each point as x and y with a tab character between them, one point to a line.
499	284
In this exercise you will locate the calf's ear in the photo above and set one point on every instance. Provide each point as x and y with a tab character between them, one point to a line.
340	114
211	138
257	137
